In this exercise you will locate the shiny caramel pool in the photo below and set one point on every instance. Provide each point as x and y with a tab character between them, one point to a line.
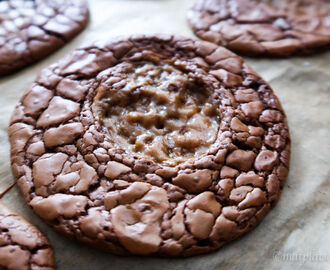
159	112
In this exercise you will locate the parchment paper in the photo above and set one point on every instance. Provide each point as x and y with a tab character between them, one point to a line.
294	235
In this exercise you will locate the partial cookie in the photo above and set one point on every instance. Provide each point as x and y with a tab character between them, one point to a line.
150	145
22	246
31	30
263	27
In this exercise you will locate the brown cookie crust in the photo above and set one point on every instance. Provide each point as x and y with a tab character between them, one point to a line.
22	245
278	28
31	30
73	176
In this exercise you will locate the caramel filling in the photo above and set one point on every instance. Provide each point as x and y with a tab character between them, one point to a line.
160	113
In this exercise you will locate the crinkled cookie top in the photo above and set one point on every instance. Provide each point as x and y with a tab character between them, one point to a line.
263	27
30	30
22	246
150	145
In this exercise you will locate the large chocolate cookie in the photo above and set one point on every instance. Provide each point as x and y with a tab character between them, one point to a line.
263	27
22	246
30	30
150	145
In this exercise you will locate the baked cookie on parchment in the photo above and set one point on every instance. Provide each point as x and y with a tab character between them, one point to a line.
22	245
31	30
263	27
150	145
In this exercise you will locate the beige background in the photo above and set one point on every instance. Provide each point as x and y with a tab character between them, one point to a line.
295	234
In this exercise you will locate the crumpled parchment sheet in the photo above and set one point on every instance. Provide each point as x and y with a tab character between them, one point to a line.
294	235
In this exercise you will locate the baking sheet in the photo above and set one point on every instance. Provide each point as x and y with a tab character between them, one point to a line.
294	235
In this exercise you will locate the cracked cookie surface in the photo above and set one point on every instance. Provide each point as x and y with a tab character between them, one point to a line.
91	183
263	27
22	246
31	30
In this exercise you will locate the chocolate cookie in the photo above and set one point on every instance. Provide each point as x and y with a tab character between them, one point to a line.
22	246
150	145
30	30
263	27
